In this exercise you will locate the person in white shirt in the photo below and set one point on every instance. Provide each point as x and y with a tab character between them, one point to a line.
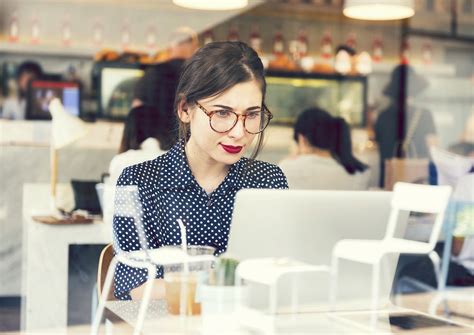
144	138
14	107
324	159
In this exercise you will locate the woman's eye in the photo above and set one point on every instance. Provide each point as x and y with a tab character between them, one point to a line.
253	115
222	113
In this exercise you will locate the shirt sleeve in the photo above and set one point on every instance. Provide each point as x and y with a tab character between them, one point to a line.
125	237
277	179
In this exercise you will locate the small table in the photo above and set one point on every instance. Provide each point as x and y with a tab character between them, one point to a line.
45	259
121	317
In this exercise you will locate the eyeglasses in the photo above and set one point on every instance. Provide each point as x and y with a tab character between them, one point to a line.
224	120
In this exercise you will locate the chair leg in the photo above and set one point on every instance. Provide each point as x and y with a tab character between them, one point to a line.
375	295
294	294
103	298
94	301
375	286
273	298
145	299
440	277
436	265
334	272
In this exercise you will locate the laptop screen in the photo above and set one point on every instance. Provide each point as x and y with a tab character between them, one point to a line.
41	92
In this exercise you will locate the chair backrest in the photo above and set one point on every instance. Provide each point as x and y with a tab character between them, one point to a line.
450	166
105	258
464	190
421	199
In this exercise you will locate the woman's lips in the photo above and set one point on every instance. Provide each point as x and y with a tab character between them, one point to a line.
232	149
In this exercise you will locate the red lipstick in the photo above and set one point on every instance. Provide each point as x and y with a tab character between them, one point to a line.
231	149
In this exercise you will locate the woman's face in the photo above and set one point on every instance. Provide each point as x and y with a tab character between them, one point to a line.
228	147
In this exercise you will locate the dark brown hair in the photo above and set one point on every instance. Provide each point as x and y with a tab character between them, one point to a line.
328	133
215	68
144	122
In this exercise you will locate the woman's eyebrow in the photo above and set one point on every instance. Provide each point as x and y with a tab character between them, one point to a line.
228	107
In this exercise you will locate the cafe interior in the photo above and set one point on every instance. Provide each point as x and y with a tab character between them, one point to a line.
363	223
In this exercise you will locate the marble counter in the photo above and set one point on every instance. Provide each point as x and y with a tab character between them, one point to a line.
45	259
25	158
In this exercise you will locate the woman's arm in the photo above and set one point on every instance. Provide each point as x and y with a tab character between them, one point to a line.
457	245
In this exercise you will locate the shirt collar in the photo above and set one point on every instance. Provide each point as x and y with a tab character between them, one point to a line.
176	174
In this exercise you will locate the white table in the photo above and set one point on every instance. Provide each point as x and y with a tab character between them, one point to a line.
121	318
45	259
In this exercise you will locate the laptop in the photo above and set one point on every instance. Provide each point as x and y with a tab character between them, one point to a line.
305	225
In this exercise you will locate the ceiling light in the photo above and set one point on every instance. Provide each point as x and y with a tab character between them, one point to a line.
379	9
212	4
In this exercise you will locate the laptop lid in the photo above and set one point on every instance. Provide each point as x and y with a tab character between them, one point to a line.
305	225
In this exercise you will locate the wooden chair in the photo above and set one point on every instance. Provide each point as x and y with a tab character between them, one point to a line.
105	259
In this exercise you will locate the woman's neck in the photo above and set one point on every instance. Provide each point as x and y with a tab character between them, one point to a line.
208	173
310	150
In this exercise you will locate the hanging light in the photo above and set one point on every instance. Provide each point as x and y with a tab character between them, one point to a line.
212	4
379	9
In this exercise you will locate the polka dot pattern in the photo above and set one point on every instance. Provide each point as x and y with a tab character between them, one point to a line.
167	192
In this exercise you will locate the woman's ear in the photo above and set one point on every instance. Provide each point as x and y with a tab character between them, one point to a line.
183	111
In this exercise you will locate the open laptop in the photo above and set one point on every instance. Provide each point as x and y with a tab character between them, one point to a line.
305	225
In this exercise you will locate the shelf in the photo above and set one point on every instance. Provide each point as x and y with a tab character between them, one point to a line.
44	50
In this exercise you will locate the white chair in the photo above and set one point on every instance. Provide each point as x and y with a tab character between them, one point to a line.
268	271
128	204
463	195
291	239
406	197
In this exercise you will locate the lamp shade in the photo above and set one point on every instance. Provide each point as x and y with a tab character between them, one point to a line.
212	4
379	9
66	128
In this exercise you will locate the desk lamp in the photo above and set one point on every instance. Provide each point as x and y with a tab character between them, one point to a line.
65	129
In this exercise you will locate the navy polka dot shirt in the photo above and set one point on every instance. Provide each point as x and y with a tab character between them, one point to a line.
168	191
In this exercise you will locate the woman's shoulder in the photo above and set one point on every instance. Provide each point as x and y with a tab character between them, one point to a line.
141	173
260	174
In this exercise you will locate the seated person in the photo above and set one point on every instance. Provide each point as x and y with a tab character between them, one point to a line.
144	138
465	146
220	107
14	107
324	160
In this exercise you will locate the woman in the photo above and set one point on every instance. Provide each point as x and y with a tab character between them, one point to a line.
404	128
220	107
324	160
144	137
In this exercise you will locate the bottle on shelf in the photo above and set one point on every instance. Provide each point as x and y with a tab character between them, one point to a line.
97	33
151	38
255	41
427	53
14	29
364	63
66	31
125	37
208	37
35	30
377	49
343	62
405	52
324	62
233	35
279	59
